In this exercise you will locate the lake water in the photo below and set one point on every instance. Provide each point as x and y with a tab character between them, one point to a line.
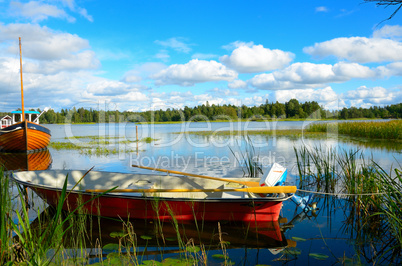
326	231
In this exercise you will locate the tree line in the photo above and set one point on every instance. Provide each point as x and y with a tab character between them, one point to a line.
292	109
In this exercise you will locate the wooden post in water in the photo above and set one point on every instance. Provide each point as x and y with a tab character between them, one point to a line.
136	131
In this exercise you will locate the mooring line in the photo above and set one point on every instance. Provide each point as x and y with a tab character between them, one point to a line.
341	194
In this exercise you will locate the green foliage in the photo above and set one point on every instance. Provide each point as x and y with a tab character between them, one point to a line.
292	109
5	210
248	158
373	130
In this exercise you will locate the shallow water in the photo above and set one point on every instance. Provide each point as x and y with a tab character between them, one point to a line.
329	231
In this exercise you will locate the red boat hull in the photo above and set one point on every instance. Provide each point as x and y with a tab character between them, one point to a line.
24	137
138	207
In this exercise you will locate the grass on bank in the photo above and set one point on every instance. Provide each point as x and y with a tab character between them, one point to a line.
98	145
279	133
390	130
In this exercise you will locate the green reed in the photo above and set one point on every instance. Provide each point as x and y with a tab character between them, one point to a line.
5	211
371	130
372	195
389	206
34	241
317	168
248	158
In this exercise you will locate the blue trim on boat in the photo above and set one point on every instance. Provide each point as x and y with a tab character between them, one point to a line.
26	112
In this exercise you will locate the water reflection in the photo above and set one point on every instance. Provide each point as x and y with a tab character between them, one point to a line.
158	240
38	160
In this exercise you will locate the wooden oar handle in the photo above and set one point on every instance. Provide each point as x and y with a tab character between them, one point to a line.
259	190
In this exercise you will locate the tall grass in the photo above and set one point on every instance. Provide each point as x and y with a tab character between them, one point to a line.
389	207
248	158
5	211
373	196
37	244
317	168
372	130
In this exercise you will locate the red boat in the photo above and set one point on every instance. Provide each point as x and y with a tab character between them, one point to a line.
23	133
151	197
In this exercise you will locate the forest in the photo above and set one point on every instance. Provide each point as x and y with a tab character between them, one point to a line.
292	109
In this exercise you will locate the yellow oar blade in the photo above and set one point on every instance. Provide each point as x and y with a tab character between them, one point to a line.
258	190
246	183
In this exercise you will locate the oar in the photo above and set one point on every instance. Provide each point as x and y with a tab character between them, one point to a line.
258	190
246	183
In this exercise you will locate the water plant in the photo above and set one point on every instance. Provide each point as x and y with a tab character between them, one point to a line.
247	158
371	196
6	251
36	242
373	130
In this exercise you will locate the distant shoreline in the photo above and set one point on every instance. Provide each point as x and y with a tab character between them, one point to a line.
220	121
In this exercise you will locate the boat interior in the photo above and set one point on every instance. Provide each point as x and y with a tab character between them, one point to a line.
54	179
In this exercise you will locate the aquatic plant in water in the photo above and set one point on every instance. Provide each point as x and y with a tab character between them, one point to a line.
372	196
248	158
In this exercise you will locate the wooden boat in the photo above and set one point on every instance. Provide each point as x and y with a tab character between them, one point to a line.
21	161
151	197
25	133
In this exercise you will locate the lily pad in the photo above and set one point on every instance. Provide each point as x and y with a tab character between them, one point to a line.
170	260
171	238
319	256
220	257
145	237
298	239
110	247
117	234
152	262
292	251
193	249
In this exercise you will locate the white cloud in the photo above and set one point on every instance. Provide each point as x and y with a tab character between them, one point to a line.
41	42
107	88
358	49
83	60
223	92
372	96
83	12
203	56
346	71
393	69
323	96
163	55
234	45
238	84
392	32
176	43
38	11
321	9
256	58
142	72
309	75
195	71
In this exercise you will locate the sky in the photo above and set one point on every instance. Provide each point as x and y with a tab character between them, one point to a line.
158	54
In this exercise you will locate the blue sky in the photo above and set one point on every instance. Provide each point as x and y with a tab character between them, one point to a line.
144	55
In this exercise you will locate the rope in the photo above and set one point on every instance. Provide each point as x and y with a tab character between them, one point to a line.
341	194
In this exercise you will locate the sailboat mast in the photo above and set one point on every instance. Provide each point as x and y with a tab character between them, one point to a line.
22	86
